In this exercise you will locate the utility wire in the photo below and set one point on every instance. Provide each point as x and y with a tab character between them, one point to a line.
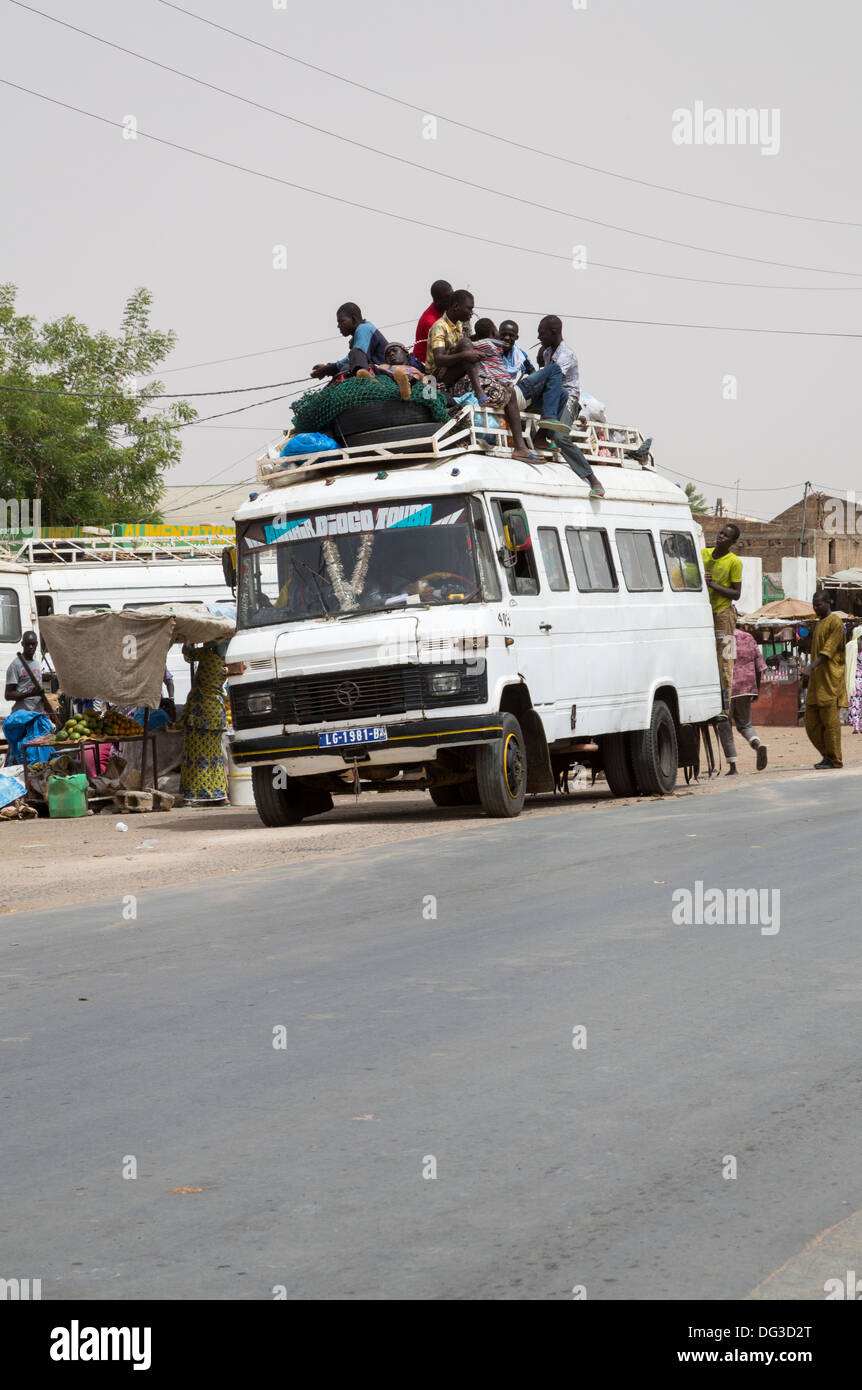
186	424
402	217
265	352
706	482
710	327
470	183
495	135
155	395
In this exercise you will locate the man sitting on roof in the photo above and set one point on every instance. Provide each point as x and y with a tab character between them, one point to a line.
402	366
365	349
449	352
441	292
514	357
543	387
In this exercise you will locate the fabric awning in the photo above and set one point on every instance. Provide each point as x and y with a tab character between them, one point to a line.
120	657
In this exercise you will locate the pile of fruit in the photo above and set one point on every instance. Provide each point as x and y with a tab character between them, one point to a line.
91	724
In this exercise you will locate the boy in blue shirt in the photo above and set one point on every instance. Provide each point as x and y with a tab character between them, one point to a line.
366	347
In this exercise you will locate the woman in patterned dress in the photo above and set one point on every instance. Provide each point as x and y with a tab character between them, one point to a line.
202	771
854	679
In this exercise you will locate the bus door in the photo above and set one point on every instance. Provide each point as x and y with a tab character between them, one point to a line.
529	624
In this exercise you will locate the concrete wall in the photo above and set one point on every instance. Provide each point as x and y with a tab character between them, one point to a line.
751	596
799	577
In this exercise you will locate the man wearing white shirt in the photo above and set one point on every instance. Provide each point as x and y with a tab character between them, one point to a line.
553	349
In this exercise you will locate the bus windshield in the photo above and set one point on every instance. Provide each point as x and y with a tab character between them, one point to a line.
354	560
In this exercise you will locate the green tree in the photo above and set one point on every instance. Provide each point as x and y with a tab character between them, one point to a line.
696	500
89	459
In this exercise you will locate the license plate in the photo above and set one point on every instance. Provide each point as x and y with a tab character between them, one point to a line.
349	738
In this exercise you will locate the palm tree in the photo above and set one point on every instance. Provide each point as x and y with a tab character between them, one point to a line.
696	500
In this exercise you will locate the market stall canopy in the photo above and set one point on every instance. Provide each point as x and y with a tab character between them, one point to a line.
844	579
120	657
783	610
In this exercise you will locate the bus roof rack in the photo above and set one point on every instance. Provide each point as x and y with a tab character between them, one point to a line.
474	429
112	550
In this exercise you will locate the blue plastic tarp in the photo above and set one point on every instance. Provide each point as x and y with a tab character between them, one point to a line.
24	724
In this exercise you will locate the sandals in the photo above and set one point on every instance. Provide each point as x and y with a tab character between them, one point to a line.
525	456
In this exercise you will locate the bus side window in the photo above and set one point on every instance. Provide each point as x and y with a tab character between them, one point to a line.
638	560
552	557
10	616
522	574
591	559
680	558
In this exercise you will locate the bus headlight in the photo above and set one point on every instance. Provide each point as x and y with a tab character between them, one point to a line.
259	704
444	683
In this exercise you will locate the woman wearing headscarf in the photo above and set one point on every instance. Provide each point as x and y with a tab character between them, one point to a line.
203	779
853	676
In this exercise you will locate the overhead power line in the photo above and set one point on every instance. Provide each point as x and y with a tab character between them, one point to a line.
496	136
402	217
265	352
155	395
471	183
659	323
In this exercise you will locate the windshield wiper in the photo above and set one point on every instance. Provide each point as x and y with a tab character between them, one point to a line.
295	560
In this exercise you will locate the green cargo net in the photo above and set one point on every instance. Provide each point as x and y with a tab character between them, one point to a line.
316	409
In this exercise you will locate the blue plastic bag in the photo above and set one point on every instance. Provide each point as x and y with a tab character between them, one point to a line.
11	788
309	444
24	724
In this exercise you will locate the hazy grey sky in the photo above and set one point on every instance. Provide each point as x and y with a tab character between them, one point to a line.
88	215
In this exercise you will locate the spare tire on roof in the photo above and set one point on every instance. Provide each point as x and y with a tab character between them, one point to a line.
318	409
413	436
379	415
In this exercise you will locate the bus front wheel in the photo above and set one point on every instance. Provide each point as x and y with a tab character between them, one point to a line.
285	805
501	771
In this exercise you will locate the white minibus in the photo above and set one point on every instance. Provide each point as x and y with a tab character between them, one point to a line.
444	617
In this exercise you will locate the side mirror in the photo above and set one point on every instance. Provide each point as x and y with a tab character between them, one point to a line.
515	531
228	565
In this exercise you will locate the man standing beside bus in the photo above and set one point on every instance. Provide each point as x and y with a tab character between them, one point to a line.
723	572
825	683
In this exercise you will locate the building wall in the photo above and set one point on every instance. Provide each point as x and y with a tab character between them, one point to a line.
773	541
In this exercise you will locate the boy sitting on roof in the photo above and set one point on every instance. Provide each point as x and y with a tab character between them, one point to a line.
489	379
366	347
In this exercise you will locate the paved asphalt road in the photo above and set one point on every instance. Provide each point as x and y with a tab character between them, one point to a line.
409	1037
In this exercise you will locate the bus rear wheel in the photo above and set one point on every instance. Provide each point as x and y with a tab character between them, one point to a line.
655	754
617	765
447	795
501	771
288	805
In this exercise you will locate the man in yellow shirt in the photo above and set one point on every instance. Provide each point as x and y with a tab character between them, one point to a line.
723	572
825	683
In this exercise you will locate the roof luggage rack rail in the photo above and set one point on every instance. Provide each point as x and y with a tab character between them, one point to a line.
109	550
474	429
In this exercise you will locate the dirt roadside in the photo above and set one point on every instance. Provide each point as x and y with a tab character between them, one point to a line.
47	863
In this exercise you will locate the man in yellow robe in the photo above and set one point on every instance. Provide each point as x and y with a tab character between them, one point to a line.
826	685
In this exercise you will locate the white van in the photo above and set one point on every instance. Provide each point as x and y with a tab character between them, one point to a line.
17	616
454	620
